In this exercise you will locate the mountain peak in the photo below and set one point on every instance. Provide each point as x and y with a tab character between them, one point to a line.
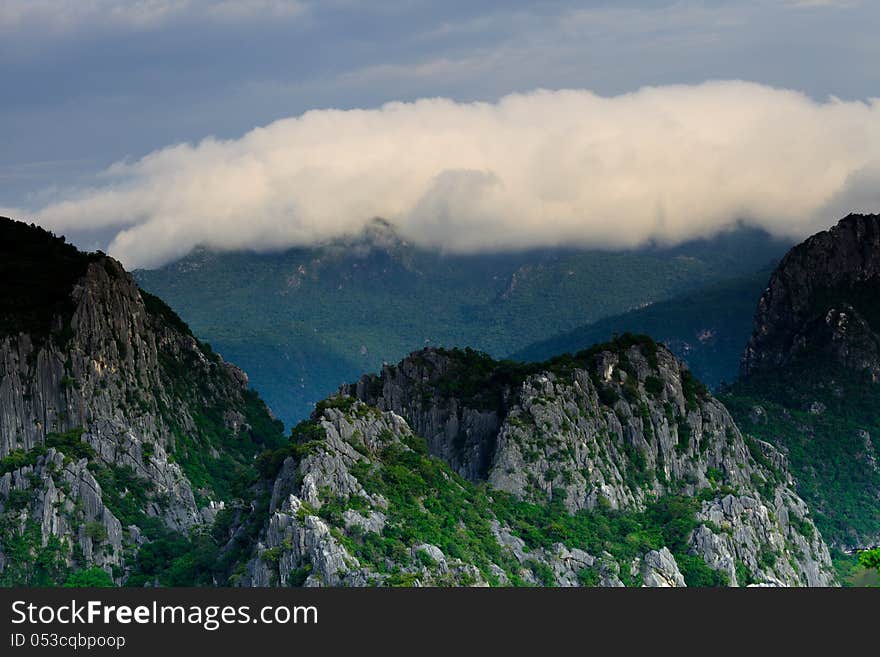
377	235
616	426
821	301
38	271
112	414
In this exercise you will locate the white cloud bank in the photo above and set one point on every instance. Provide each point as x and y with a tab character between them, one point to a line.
538	169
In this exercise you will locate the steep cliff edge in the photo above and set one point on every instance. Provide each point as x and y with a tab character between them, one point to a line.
611	467
822	301
116	424
810	373
621	421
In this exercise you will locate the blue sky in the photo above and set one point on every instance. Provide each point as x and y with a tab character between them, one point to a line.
86	83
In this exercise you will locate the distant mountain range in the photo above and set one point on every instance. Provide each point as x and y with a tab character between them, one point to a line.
303	321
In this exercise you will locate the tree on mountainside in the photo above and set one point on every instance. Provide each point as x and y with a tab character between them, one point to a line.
870	558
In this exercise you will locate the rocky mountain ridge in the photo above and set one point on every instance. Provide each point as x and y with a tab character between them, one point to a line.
621	434
810	373
821	301
111	392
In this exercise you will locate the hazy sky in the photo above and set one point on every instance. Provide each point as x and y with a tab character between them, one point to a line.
89	83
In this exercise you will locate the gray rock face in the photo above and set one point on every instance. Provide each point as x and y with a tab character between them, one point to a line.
659	569
773	539
818	300
559	438
627	426
298	547
61	500
461	435
110	380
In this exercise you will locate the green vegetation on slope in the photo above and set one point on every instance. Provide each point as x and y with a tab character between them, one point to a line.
819	414
168	557
29	561
852	571
214	458
430	503
707	328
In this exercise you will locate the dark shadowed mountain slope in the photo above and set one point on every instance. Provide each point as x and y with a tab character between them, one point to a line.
823	302
810	373
706	328
37	275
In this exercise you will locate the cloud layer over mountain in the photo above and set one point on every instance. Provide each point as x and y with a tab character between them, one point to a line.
538	169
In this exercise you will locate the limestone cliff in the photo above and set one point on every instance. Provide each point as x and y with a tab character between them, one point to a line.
546	453
105	388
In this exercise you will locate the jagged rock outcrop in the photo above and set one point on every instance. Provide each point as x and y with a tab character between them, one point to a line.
299	546
612	430
60	499
462	435
106	378
810	373
560	437
114	373
822	301
659	569
772	541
